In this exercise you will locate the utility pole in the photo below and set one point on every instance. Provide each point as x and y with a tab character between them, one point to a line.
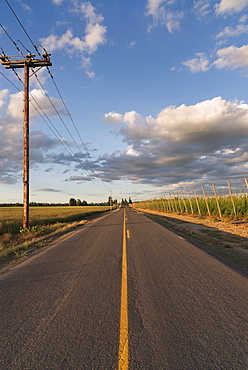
25	62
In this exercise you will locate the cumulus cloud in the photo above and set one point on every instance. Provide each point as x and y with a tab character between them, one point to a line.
229	58
182	144
112	118
94	35
229	6
162	12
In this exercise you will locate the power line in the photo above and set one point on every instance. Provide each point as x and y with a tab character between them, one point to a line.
90	162
53	128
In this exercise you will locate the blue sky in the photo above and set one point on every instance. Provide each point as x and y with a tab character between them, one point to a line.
157	90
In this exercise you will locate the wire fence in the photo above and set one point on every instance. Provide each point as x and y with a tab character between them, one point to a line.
230	200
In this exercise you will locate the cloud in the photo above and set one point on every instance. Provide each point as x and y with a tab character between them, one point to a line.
202	8
229	6
3	95
131	44
80	179
112	118
49	190
57	2
198	64
11	134
201	142
161	13
229	58
232	58
94	35
232	32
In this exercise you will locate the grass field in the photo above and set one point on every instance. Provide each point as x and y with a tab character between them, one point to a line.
46	223
11	217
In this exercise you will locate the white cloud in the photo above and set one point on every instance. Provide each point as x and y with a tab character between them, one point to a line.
3	95
93	36
229	58
132	117
112	118
232	58
198	64
161	13
228	6
202	8
131	44
233	32
184	143
57	2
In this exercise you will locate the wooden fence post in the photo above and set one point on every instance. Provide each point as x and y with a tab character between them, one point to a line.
206	200
231	195
185	206
199	211
170	206
175	202
179	203
192	211
162	199
166	203
217	200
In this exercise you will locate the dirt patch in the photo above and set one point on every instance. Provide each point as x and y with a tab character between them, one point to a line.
225	239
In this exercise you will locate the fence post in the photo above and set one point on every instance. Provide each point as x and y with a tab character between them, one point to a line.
192	211
162	200
186	209
175	202
206	200
217	200
246	181
166	203
231	195
172	203
199	211
179	203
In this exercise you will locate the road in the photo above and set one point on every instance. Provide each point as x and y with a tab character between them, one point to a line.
123	281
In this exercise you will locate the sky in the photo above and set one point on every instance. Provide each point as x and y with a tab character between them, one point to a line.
154	96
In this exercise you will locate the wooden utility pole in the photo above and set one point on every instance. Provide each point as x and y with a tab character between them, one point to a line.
25	62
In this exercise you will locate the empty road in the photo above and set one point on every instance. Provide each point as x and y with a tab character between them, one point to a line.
123	293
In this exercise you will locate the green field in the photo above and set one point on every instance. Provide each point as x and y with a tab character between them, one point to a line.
11	217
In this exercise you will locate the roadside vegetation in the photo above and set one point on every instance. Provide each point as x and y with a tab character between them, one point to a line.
45	224
224	207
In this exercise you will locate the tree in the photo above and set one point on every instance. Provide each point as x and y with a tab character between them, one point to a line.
72	202
130	201
78	202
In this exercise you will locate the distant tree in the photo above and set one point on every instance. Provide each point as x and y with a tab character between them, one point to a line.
130	201
78	202
110	201
84	203
72	202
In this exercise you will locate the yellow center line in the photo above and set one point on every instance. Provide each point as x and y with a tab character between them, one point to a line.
123	344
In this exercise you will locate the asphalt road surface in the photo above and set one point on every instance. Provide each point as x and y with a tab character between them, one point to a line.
72	305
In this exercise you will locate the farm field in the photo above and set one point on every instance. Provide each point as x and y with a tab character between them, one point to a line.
46	224
11	217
